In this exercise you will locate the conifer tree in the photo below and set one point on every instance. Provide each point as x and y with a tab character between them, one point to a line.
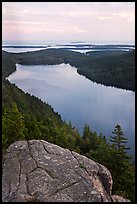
120	164
13	126
118	139
86	143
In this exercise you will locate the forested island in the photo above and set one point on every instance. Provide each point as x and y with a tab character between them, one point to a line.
27	117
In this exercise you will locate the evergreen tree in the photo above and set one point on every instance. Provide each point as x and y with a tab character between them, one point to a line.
90	141
86	144
101	151
13	127
120	165
86	132
118	139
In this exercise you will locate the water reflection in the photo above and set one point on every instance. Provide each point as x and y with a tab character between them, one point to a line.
78	99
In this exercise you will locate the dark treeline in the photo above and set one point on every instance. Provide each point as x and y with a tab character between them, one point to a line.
111	68
27	117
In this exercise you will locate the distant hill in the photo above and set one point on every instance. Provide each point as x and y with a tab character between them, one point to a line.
111	68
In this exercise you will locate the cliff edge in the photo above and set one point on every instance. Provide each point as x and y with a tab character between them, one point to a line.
39	171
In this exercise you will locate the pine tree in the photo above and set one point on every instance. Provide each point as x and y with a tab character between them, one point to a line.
118	139
120	165
90	140
86	132
13	126
86	140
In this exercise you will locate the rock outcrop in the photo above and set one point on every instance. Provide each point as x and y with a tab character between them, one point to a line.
38	171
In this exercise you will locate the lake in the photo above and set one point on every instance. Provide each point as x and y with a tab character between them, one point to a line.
79	100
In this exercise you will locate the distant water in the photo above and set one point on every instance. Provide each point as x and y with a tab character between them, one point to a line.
79	100
18	50
77	47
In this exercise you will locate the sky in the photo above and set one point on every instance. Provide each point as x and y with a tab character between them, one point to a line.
41	22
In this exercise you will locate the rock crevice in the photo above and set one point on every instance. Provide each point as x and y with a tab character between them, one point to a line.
39	171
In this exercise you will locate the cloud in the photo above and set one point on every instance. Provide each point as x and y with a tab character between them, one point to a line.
68	18
128	16
104	18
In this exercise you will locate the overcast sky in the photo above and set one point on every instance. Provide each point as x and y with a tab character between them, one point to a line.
41	22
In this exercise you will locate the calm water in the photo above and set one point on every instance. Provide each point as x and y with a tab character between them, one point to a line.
86	47
79	100
16	50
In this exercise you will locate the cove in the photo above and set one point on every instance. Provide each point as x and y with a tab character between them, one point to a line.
79	100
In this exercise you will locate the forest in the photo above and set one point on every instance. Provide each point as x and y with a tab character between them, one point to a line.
111	68
27	117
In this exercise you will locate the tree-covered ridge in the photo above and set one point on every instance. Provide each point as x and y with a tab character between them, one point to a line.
116	70
20	126
8	64
113	68
40	120
112	155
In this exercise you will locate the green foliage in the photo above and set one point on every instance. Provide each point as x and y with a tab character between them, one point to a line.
90	140
120	166
17	126
111	70
85	146
114	157
8	64
40	120
13	127
81	165
118	139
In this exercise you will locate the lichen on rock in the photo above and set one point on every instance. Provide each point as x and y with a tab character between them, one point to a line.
39	171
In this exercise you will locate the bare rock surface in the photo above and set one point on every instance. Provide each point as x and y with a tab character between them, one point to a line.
117	198
38	171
